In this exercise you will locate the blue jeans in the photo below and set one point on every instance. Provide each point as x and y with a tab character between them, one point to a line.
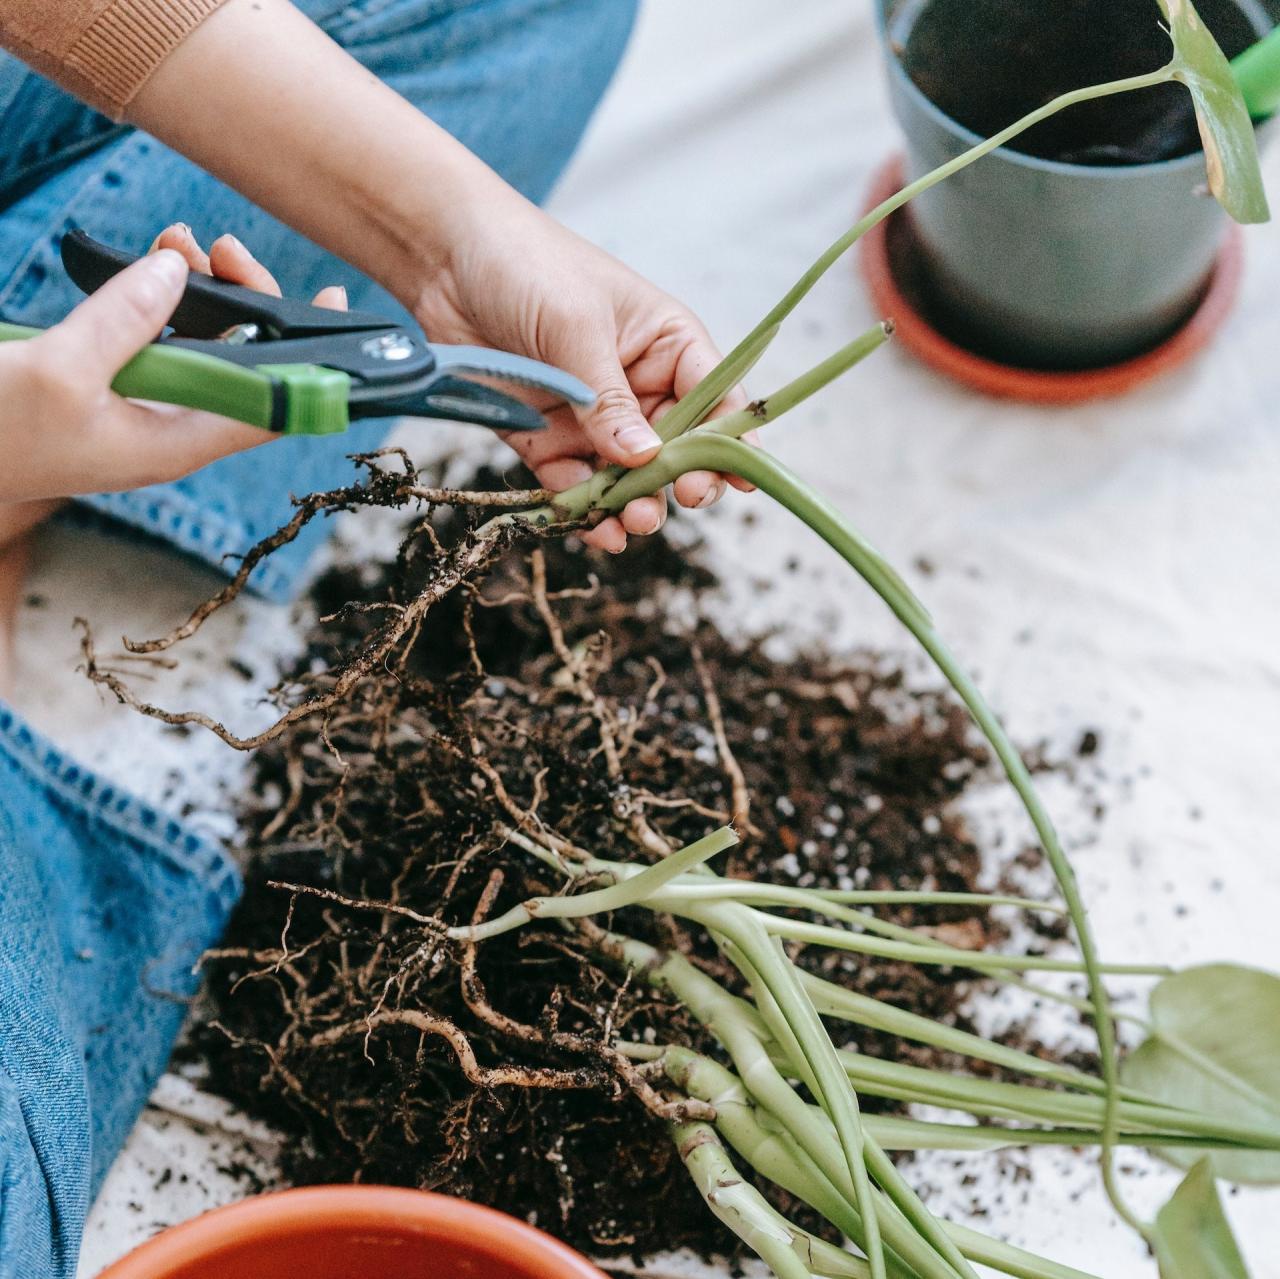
104	903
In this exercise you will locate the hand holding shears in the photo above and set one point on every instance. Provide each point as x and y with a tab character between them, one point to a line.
295	369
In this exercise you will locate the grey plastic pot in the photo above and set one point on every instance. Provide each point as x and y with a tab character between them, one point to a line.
1049	265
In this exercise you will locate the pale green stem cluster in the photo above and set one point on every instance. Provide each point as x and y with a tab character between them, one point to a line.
825	1152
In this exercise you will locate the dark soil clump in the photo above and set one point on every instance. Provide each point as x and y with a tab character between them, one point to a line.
316	1008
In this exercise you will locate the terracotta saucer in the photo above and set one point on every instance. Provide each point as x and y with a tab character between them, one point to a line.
919	336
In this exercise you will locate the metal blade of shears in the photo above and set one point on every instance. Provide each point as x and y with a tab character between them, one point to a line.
519	370
462	401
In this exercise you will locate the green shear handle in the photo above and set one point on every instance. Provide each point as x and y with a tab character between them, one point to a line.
315	397
295	369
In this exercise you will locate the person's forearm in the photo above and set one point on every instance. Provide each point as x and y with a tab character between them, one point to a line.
263	99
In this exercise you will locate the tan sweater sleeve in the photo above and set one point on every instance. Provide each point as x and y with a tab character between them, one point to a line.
103	51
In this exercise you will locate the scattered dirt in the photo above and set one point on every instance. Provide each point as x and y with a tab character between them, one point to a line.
310	1004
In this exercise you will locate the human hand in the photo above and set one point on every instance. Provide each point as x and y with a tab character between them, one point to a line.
64	432
63	429
514	278
412	208
229	260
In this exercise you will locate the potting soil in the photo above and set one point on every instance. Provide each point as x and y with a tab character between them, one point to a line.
853	781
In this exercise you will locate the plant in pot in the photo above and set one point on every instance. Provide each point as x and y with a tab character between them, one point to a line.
777	1093
1086	243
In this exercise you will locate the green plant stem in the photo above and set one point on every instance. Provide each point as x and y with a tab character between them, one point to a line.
622	892
577	502
950	956
832	1000
772	972
681	417
901	1082
898	1134
902	1198
838	902
788	1249
702	451
678	901
694	452
1004	972
738	1026
772	1152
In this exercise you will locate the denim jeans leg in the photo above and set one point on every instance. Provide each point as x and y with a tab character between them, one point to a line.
516	80
105	906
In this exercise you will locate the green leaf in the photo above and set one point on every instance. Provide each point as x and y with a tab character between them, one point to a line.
1192	1236
1215	1048
1230	149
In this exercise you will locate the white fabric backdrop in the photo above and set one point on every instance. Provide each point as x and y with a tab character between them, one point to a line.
1110	566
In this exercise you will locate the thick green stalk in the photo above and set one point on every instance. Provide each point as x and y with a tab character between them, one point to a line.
745	1212
915	1216
677	901
773	1153
704	451
898	1134
840	903
1005	968
901	1082
776	975
738	1026
832	1000
916	952
576	502
837	903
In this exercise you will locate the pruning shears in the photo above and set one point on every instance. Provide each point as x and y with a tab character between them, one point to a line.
297	369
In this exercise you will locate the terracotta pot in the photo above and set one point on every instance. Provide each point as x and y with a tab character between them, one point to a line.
353	1232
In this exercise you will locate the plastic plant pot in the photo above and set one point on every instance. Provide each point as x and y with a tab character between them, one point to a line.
1047	265
353	1232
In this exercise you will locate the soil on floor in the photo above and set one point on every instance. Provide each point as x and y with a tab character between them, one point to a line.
854	782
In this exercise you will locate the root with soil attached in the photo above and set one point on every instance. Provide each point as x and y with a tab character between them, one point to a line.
543	709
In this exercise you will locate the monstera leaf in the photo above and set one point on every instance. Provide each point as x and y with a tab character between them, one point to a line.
1215	1048
1192	1237
1226	131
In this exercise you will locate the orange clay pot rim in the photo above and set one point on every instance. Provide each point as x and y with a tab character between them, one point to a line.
1037	386
391	1211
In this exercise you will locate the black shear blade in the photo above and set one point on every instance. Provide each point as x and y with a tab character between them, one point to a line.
209	307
